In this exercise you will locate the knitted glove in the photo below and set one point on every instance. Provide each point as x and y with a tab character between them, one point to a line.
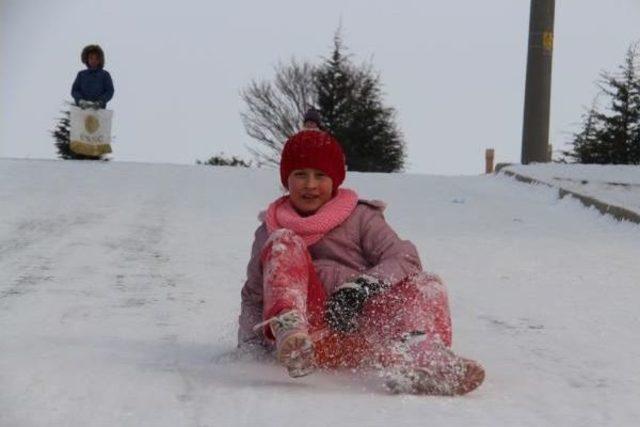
344	305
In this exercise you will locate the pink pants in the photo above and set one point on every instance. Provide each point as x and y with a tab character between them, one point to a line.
417	303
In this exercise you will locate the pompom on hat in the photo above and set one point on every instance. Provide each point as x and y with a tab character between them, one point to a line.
313	115
315	150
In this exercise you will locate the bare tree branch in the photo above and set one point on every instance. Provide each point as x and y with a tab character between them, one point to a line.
274	109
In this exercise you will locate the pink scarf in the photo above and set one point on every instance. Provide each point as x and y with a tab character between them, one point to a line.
281	214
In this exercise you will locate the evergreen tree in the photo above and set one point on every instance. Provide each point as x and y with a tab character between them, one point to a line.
622	125
613	136
586	143
350	100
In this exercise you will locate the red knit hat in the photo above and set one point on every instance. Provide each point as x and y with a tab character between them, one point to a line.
316	150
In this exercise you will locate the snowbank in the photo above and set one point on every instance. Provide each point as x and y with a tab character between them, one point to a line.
617	185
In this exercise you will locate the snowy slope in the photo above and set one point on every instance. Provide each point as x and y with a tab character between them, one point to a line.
617	185
119	291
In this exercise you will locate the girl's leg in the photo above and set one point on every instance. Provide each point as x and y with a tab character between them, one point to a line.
287	292
416	305
285	273
409	330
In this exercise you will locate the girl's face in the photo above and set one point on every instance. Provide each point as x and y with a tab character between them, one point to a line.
93	60
309	190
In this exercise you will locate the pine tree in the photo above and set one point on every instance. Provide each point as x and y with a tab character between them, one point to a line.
586	143
633	58
350	100
622	125
613	136
335	83
61	135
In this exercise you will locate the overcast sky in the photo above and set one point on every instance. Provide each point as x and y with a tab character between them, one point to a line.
453	70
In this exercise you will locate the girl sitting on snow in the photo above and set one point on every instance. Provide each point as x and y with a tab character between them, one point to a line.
331	285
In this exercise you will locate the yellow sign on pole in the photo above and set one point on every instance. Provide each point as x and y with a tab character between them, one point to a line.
547	41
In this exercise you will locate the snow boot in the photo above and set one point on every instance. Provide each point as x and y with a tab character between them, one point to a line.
432	369
294	346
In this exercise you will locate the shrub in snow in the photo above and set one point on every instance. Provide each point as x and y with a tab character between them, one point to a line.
221	160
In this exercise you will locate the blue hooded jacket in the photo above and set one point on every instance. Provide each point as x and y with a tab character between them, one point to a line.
93	84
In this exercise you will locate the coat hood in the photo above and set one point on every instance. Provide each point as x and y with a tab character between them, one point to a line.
92	48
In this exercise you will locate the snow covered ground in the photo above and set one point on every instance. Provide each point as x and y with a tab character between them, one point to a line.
617	185
119	292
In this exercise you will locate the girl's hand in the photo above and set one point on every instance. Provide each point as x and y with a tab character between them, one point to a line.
344	305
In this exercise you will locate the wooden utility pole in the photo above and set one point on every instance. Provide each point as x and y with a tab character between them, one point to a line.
537	97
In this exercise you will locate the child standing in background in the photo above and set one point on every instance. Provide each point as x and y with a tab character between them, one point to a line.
93	85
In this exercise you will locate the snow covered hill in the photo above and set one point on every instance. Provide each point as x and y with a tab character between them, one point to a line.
119	292
615	185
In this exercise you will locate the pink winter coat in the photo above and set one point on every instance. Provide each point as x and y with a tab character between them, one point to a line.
363	244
